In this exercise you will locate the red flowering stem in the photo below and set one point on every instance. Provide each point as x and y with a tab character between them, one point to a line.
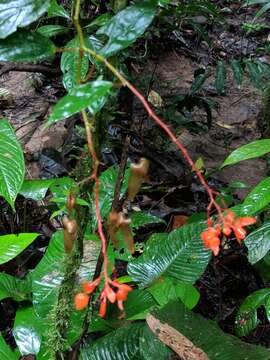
164	127
94	176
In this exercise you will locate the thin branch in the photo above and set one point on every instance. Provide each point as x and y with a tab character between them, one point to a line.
46	70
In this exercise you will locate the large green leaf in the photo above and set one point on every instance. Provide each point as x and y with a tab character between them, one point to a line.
17	289
206	335
92	96
48	275
249	151
35	189
28	331
258	243
246	319
12	245
132	342
181	255
257	199
69	64
12	167
166	290
5	351
138	304
125	27
26	46
19	13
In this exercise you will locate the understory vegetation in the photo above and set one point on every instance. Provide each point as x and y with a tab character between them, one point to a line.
134	179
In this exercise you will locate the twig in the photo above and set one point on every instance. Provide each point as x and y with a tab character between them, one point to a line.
46	70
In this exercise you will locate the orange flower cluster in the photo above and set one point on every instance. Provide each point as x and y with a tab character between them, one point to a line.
231	224
116	292
109	293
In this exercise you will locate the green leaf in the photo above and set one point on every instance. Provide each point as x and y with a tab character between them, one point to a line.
26	46
48	275
132	342
125	27
92	96
138	304
139	219
35	189
57	10
254	73
12	167
258	243
257	199
5	351
166	290
12	245
52	30
206	335
246	319
17	289
238	72
250	151
69	65
181	255
101	20
28	331
221	77
19	13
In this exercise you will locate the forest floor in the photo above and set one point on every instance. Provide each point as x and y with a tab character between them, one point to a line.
167	69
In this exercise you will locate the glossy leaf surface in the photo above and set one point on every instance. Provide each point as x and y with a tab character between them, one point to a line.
12	167
92	96
5	351
126	26
139	219
246	319
258	243
19	13
249	151
257	199
57	10
12	245
206	335
131	342
180	254
26	46
28	331
17	289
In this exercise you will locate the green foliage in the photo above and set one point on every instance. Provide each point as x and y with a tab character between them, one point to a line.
134	341
19	13
92	96
250	151
5	352
25	46
12	287
246	319
258	243
206	335
12	166
125	27
12	245
166	267
179	254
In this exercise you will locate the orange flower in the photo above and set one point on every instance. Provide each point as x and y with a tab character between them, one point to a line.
81	301
211	239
